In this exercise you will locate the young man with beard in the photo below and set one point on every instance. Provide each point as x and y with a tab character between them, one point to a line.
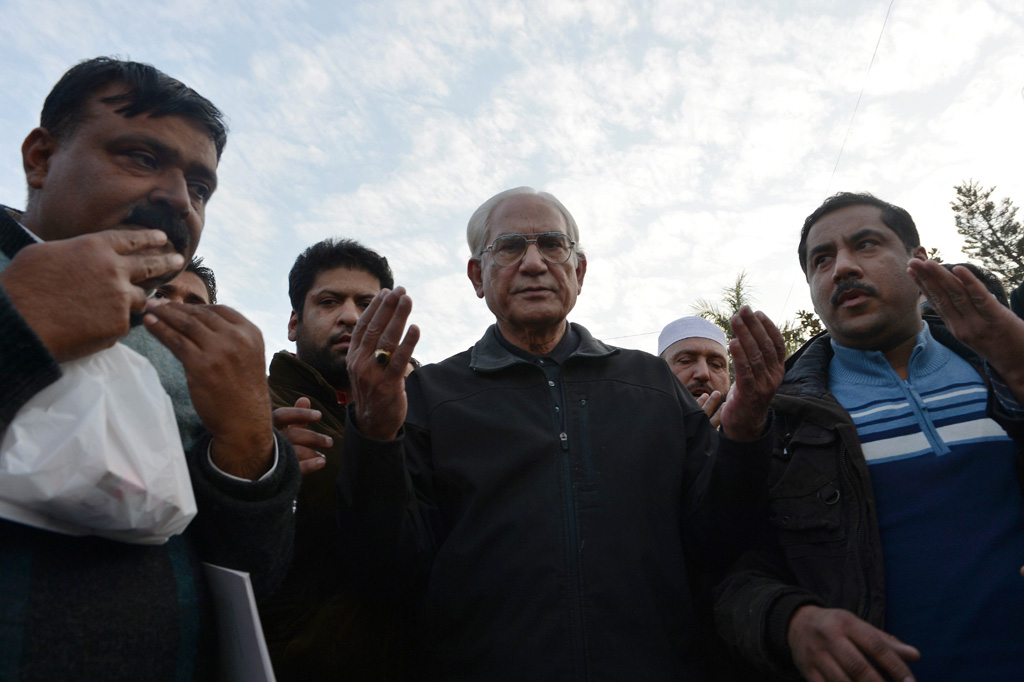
120	172
896	512
317	626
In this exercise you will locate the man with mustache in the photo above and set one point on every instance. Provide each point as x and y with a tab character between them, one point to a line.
697	352
317	627
545	495
896	513
120	172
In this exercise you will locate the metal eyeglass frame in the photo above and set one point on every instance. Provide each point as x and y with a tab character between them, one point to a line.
533	240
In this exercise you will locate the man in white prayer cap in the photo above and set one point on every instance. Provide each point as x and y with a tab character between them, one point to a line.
697	352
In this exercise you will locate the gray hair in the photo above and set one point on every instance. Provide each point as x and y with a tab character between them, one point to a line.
479	226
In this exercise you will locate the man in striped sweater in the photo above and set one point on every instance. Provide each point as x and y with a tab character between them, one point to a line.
896	514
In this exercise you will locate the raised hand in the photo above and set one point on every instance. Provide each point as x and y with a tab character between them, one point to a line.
292	422
77	293
378	388
833	644
758	358
222	353
975	317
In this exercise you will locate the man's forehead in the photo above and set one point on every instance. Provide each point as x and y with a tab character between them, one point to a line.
697	345
846	221
344	277
526	214
200	142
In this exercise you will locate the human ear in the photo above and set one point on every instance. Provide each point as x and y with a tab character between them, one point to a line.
581	270
475	272
293	322
36	151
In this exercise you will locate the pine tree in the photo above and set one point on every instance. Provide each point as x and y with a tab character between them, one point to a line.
992	233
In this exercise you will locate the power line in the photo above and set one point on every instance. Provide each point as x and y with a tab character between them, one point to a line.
857	106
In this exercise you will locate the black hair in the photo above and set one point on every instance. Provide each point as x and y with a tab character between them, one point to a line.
196	267
148	91
330	254
895	218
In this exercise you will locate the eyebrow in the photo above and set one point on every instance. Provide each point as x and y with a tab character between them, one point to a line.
341	294
165	151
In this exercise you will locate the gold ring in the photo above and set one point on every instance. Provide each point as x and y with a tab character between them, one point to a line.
382	356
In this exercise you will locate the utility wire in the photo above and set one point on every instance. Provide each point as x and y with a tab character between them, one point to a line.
857	106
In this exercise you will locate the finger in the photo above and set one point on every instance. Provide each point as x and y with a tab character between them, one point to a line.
309	460
152	266
777	347
879	647
384	322
934	281
392	333
702	399
747	328
303	403
180	345
978	295
307	438
711	402
295	416
200	324
131	241
137	299
362	324
854	664
716	420
400	358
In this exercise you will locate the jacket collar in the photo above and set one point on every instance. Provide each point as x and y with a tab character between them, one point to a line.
488	355
287	371
807	369
13	235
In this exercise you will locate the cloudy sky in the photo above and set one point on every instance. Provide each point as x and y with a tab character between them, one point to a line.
689	139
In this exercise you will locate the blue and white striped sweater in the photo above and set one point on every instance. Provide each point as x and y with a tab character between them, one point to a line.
949	508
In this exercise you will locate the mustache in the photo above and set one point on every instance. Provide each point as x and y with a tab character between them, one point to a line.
849	285
165	220
704	388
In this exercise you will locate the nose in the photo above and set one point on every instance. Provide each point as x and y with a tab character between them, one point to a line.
701	371
845	266
532	260
348	314
171	190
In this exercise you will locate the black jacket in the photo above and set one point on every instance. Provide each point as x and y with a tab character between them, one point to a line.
822	543
548	554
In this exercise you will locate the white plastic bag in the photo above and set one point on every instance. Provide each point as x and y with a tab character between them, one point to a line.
98	452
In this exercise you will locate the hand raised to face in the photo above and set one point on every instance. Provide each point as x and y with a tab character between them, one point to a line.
77	293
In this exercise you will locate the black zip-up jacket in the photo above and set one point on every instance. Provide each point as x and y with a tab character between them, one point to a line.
822	543
547	553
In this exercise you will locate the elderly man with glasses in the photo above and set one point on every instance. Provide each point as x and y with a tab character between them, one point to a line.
542	494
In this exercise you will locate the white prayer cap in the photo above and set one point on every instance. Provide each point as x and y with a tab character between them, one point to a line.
688	328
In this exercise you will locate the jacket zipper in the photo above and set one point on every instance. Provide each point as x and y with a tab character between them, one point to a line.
573	549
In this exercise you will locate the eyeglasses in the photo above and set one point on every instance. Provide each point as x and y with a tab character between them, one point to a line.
508	249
